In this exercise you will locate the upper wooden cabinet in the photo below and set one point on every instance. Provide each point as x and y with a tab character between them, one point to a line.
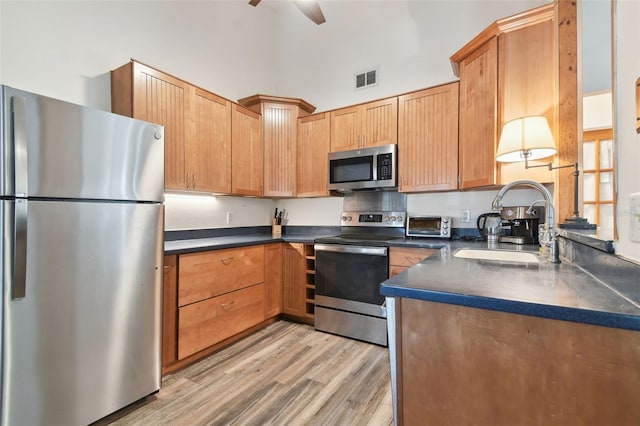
478	120
246	156
197	125
371	124
508	71
208	162
428	139
279	135
141	92
312	153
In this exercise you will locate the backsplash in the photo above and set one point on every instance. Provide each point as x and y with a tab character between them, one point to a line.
617	272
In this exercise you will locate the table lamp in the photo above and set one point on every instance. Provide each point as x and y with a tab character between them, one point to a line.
530	138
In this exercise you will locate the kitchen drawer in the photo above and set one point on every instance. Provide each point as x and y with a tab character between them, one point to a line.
408	256
212	273
206	323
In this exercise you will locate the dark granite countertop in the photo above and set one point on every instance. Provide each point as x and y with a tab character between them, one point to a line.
182	242
557	291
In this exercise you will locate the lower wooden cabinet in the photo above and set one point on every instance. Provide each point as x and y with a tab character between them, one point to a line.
212	273
208	322
214	295
272	280
401	258
170	310
294	277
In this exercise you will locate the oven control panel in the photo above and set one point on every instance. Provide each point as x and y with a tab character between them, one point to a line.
381	219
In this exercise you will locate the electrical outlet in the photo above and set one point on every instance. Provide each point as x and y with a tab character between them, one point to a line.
228	217
465	216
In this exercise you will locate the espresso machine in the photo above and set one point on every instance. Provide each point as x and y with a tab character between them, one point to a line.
523	225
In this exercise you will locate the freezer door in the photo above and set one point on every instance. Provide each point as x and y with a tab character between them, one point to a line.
84	338
56	149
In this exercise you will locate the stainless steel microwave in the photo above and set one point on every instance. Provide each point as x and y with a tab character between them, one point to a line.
429	226
362	169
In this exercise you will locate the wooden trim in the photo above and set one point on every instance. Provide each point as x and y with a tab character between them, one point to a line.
211	96
215	348
501	26
246	111
122	90
254	101
569	107
313	117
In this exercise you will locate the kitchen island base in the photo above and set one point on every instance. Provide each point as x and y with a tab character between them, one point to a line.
461	365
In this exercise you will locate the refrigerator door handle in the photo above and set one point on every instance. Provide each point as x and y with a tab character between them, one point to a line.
19	288
21	185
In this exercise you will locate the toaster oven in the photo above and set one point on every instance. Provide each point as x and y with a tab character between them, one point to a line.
428	226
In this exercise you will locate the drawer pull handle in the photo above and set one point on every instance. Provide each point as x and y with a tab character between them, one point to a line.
167	268
413	259
226	306
226	260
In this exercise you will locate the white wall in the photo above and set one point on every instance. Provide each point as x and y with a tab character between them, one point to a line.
202	212
65	49
410	43
626	71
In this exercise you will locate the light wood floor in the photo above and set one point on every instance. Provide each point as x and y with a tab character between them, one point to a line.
286	374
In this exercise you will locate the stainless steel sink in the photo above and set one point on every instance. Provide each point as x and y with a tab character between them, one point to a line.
498	255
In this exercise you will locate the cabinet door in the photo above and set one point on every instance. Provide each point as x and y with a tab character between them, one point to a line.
527	78
312	159
272	279
402	258
293	297
345	129
379	122
279	138
170	311
478	106
212	273
161	99
209	143
246	155
206	323
428	139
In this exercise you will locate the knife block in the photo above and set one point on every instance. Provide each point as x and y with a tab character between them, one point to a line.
276	230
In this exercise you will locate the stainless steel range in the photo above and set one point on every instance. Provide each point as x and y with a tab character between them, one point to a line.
349	270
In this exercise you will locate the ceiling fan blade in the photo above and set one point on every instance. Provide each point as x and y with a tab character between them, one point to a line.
254	2
311	9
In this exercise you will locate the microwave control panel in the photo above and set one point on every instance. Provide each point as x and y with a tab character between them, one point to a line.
385	166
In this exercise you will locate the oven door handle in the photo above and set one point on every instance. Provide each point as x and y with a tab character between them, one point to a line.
338	248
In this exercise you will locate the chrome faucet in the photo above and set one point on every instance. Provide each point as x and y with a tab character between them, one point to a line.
549	238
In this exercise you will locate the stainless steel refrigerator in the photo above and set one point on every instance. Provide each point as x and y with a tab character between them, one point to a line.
82	236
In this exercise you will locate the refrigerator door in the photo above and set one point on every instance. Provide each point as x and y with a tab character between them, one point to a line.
84	338
56	149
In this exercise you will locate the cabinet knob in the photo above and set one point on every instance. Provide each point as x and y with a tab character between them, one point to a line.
226	260
227	306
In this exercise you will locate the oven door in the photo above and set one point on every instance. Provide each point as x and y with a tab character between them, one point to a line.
348	277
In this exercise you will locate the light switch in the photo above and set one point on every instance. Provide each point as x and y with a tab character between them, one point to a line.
635	216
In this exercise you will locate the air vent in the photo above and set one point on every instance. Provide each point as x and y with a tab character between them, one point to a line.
366	79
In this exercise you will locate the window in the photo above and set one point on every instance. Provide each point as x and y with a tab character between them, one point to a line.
598	171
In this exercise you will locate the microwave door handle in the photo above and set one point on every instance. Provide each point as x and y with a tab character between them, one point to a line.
374	165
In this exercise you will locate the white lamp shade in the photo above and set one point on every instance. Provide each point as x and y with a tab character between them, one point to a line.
526	136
